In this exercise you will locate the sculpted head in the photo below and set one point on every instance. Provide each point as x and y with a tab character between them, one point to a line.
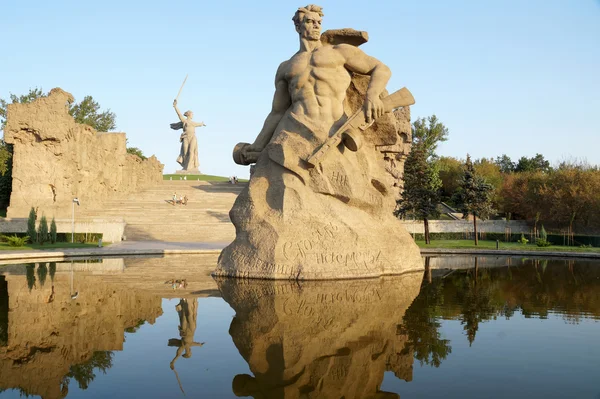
308	22
188	114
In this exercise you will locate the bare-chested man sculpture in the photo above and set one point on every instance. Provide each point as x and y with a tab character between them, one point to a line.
295	220
312	85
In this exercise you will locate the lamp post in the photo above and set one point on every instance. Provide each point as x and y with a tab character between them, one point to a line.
75	201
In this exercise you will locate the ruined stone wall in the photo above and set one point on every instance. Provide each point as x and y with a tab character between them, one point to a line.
56	159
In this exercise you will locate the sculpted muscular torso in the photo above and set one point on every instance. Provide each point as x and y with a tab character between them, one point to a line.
313	83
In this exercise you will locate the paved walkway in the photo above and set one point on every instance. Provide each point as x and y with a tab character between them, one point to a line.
129	248
125	248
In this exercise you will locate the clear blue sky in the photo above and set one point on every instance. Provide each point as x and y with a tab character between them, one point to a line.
512	76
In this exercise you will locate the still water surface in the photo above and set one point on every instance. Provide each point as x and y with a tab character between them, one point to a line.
467	328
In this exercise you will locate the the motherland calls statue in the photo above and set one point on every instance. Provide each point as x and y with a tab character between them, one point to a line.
188	154
188	315
316	208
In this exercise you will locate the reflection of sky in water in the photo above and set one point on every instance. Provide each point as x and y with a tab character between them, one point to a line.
516	358
142	369
557	356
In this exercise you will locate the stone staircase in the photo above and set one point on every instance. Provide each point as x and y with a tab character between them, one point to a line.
150	217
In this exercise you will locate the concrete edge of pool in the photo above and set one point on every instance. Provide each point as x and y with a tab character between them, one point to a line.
139	248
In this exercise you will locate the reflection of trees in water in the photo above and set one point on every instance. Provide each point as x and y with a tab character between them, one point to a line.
52	270
84	373
137	326
42	272
3	311
421	324
473	296
30	274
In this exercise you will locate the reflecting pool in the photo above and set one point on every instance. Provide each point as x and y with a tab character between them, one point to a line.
468	327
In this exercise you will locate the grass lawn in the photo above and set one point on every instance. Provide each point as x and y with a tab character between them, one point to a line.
488	244
5	247
201	177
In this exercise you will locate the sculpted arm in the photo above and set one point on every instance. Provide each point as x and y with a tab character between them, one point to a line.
177	110
357	61
281	103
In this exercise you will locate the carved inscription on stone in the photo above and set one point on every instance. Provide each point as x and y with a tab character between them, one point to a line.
339	178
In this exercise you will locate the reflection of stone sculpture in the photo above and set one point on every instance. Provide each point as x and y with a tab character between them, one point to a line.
188	154
188	312
46	339
328	339
332	218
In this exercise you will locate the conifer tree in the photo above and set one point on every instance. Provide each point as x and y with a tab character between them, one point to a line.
422	186
43	230
53	233
474	196
31	230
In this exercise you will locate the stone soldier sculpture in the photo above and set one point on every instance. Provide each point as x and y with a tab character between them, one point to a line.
317	208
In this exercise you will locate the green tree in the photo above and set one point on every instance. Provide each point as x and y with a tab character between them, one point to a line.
505	164
422	184
88	112
5	157
6	151
53	233
533	164
490	171
450	174
474	197
43	230
136	151
429	132
31	222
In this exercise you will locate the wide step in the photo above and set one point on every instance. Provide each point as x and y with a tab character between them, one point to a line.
150	217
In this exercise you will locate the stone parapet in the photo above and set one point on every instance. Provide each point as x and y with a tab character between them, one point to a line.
466	226
111	229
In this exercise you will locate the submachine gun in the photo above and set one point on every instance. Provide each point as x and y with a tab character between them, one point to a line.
350	133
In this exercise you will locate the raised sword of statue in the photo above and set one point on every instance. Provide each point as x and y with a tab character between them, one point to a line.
349	132
179	125
181	88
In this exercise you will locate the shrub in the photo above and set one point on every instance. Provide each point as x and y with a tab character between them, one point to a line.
15	241
523	240
53	233
540	242
543	234
43	230
31	231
